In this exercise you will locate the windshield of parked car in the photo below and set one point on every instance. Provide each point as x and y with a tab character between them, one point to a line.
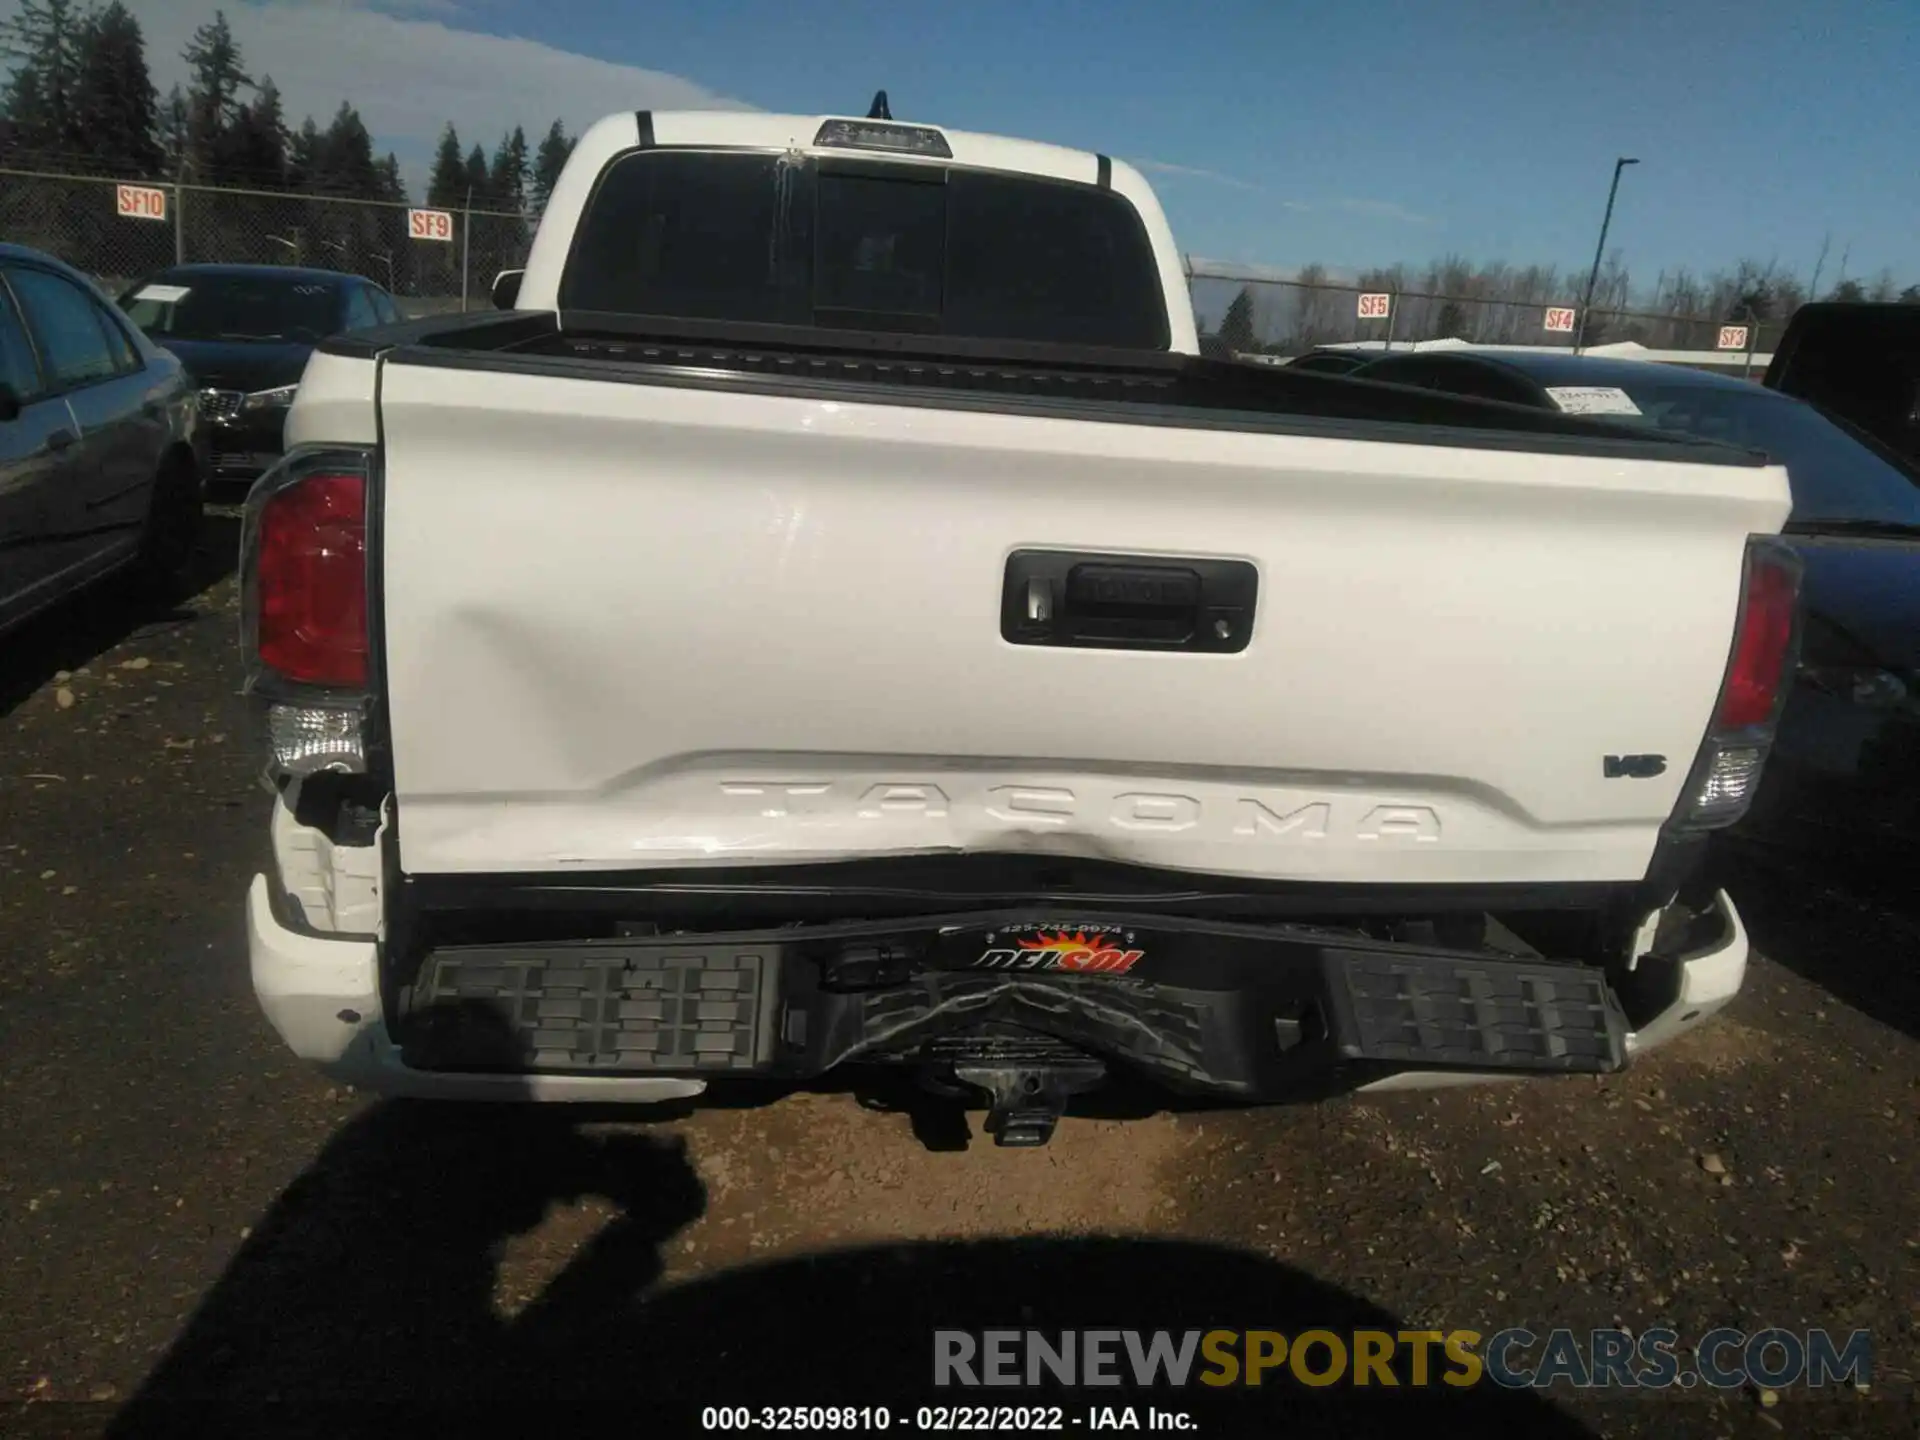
235	307
1835	474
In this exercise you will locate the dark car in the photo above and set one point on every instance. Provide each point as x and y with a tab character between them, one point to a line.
244	332
1845	771
1860	362
97	469
1330	362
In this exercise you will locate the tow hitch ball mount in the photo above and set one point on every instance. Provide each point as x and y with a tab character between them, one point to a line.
1025	1102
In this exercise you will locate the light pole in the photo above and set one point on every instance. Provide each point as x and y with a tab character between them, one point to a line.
1593	275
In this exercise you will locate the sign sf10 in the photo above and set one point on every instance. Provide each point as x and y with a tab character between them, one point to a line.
140	202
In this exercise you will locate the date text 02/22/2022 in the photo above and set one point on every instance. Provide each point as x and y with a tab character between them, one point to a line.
940	1419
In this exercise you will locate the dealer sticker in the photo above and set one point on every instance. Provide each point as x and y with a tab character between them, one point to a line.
1593	400
1042	947
162	294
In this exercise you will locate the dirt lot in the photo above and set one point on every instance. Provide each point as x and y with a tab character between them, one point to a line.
187	1217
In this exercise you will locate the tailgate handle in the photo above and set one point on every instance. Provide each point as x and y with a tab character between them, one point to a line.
1056	597
1139	602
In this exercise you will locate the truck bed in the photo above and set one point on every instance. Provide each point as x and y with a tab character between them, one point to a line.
1123	386
658	598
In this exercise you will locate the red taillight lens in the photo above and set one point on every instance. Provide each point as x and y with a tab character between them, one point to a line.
311	579
1760	649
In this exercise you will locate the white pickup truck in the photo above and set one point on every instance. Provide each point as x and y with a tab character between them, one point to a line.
837	615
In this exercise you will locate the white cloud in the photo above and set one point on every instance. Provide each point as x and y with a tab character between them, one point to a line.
1375	209
1194	172
1204	267
391	7
408	74
1370	209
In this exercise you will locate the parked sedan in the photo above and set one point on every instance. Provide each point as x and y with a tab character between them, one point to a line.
244	332
1330	362
1845	771
97	468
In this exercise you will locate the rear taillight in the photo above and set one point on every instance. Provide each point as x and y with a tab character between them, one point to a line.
312	578
304	569
1764	640
1765	645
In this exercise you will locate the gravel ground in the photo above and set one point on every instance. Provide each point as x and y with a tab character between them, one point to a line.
188	1215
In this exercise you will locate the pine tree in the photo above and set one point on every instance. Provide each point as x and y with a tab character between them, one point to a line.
1236	326
173	131
254	150
479	181
115	107
41	99
507	178
387	184
446	186
436	266
346	151
213	96
387	258
548	163
303	156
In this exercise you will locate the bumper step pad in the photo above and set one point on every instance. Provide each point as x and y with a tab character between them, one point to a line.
614	1008
1434	1011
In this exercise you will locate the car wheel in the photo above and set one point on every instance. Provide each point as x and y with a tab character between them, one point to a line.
170	543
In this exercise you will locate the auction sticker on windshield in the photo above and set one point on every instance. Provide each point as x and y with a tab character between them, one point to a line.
162	294
1593	400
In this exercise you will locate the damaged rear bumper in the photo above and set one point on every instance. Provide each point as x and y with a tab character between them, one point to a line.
1015	1002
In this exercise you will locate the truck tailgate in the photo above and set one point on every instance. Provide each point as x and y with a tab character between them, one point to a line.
635	626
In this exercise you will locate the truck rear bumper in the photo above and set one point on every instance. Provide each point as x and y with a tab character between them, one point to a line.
1247	1013
322	995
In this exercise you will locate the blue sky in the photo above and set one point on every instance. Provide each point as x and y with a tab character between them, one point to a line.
1352	134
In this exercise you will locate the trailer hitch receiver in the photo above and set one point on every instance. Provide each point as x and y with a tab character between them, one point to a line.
1025	1102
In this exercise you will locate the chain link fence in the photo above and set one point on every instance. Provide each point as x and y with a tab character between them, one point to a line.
119	232
432	261
1262	315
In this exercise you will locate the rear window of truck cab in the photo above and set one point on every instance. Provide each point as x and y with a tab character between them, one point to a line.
865	245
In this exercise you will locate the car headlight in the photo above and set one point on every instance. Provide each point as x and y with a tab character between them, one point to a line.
278	398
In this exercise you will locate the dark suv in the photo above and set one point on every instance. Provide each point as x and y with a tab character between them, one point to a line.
244	332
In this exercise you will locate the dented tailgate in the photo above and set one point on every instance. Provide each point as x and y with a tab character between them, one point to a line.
630	626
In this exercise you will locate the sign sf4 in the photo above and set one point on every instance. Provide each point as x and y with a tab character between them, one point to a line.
1076	952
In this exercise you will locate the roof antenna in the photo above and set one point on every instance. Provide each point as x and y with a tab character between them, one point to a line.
878	110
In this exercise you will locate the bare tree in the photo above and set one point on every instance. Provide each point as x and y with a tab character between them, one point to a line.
1310	309
1813	285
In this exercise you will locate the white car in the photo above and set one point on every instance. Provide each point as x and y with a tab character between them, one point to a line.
838	616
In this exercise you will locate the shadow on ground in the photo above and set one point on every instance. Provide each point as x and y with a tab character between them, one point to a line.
77	630
1852	927
366	1297
939	1122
